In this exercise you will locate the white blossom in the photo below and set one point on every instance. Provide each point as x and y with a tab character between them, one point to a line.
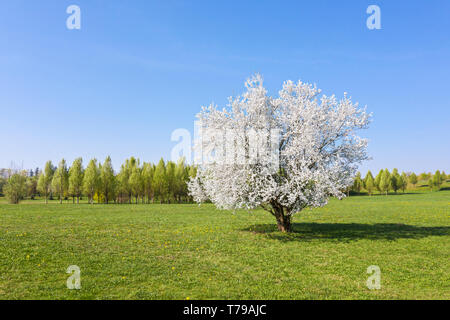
317	152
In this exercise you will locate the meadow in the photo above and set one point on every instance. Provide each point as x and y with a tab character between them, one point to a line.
183	251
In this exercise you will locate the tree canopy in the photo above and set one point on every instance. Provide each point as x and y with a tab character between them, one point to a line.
294	151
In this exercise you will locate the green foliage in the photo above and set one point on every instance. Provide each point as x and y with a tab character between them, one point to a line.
171	182
378	180
60	181
357	183
424	176
136	182
41	187
76	176
44	185
2	184
394	180
167	182
403	181
107	183
385	181
15	188
91	181
147	177
430	184
32	182
369	182
192	172
123	183
181	178
437	180
413	179
160	181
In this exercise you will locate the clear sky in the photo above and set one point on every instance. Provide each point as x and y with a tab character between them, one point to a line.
137	70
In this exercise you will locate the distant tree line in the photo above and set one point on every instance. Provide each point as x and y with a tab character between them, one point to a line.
164	182
386	181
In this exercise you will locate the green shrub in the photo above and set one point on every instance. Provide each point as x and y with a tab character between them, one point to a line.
15	188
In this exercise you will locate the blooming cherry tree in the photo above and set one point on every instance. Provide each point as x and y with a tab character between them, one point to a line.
314	156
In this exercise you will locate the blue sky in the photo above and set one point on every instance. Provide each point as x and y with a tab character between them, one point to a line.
137	70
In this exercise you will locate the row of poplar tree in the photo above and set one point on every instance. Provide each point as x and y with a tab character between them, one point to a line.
164	182
386	181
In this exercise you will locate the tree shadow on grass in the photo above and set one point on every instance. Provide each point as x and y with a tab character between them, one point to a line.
346	232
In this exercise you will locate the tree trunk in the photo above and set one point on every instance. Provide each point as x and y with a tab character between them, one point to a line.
284	224
283	221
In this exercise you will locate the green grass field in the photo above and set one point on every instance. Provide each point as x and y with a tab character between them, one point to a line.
186	251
